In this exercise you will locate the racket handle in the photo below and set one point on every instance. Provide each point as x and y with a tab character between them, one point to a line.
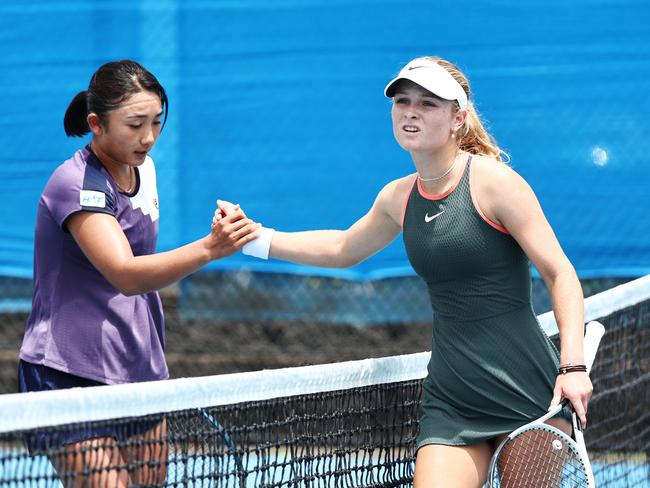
594	331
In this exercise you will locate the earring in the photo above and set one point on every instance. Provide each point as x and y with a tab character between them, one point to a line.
453	135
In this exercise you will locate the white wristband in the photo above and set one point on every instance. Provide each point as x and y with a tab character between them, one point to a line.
259	248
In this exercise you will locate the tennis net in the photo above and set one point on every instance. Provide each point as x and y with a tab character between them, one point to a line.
351	424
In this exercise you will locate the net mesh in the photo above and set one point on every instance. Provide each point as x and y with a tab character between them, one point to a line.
348	424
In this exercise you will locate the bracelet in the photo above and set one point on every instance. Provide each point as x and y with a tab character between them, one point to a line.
572	368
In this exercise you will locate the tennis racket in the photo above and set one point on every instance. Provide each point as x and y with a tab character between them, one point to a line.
538	455
228	440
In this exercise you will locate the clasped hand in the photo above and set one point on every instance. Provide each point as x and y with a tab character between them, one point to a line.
230	230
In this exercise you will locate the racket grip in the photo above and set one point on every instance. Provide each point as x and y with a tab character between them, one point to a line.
594	331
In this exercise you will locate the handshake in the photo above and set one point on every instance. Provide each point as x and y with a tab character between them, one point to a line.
259	247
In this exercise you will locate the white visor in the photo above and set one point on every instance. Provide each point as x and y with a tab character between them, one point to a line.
432	77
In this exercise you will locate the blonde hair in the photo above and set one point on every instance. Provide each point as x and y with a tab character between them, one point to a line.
473	137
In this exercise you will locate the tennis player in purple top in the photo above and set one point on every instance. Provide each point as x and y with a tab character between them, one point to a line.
96	314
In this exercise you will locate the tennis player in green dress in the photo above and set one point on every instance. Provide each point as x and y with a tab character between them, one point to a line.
471	227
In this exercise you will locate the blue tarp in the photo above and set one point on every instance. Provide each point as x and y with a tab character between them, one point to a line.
278	105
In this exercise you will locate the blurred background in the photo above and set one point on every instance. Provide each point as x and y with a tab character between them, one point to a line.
279	106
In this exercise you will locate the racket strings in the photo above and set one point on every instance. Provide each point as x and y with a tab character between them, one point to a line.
539	458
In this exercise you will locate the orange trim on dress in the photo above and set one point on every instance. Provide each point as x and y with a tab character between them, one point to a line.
429	196
406	202
498	227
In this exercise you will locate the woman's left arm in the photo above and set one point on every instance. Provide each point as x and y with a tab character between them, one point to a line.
513	204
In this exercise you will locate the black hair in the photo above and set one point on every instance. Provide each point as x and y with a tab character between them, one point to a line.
111	85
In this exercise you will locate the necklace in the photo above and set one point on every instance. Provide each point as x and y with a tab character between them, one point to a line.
129	189
436	178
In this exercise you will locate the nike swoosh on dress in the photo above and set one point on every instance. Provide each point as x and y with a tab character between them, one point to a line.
428	219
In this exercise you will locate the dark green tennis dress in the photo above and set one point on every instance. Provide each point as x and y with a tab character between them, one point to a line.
492	367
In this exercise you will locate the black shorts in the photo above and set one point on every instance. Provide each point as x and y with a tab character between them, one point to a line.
37	377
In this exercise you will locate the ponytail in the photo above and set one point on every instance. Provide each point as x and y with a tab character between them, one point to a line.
75	120
473	137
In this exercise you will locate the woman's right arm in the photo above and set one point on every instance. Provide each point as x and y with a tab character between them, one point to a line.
112	256
345	248
335	248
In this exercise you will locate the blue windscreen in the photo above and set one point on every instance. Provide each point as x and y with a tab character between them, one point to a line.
279	106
